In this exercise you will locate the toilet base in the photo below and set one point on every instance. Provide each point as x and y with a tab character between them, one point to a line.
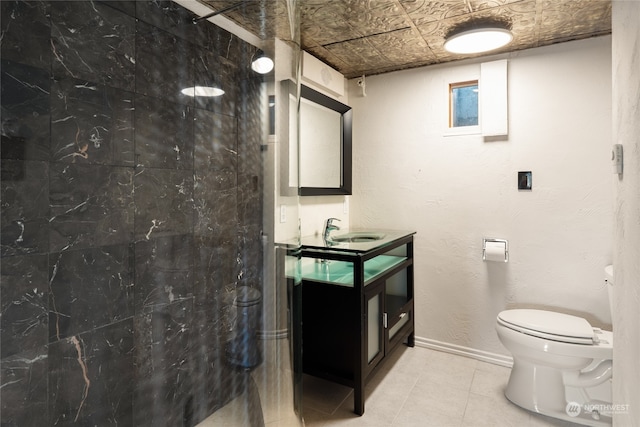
541	389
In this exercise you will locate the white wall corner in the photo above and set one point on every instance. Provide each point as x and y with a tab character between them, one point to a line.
493	98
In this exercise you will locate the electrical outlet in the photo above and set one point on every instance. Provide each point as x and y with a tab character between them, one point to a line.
616	158
283	213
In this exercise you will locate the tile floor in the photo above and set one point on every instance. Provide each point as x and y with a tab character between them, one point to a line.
417	387
423	388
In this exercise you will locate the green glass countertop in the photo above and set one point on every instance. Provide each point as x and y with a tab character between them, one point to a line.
341	272
318	243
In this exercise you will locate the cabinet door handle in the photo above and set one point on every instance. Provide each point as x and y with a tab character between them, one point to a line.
384	320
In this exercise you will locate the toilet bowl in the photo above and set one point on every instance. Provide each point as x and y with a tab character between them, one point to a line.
562	366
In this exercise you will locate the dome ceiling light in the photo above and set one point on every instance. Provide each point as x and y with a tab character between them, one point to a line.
478	40
478	35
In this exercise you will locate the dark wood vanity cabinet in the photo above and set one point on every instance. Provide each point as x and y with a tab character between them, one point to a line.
357	307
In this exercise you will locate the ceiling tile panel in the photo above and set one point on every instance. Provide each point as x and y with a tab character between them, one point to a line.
402	46
372	17
326	22
376	36
423	11
588	17
325	32
330	58
359	53
266	19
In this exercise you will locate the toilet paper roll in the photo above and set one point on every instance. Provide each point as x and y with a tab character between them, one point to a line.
495	251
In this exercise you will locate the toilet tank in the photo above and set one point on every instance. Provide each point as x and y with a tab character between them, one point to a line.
608	278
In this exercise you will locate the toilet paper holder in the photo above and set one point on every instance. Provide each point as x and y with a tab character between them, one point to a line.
499	241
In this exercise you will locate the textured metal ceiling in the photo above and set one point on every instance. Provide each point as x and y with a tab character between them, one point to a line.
367	37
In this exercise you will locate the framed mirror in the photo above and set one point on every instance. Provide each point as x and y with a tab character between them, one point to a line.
325	145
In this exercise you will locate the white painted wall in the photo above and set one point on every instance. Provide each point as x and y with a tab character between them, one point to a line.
314	211
626	131
455	190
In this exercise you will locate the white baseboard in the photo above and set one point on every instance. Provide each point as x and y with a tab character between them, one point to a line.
484	356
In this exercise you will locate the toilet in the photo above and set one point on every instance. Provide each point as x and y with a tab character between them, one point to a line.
562	366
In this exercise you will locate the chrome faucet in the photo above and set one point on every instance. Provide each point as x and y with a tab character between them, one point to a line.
328	227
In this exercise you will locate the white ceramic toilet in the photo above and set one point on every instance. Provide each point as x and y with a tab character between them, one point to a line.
562	366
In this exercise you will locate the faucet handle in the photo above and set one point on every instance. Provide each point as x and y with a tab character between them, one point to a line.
330	221
328	227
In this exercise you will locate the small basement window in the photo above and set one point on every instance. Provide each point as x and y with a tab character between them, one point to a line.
463	104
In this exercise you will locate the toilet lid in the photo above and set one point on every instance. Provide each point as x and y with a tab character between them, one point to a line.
548	324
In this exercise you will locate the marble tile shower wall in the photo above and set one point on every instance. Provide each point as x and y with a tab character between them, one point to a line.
130	212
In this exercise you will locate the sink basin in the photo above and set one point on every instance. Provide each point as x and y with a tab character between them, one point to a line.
358	236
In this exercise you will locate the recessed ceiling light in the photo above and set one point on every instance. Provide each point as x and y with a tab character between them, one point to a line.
478	40
205	91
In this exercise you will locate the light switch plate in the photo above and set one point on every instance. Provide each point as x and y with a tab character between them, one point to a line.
524	180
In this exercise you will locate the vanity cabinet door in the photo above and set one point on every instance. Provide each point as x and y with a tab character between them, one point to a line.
374	327
399	308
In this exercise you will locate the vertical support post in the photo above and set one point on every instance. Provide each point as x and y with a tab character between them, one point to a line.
360	353
411	339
